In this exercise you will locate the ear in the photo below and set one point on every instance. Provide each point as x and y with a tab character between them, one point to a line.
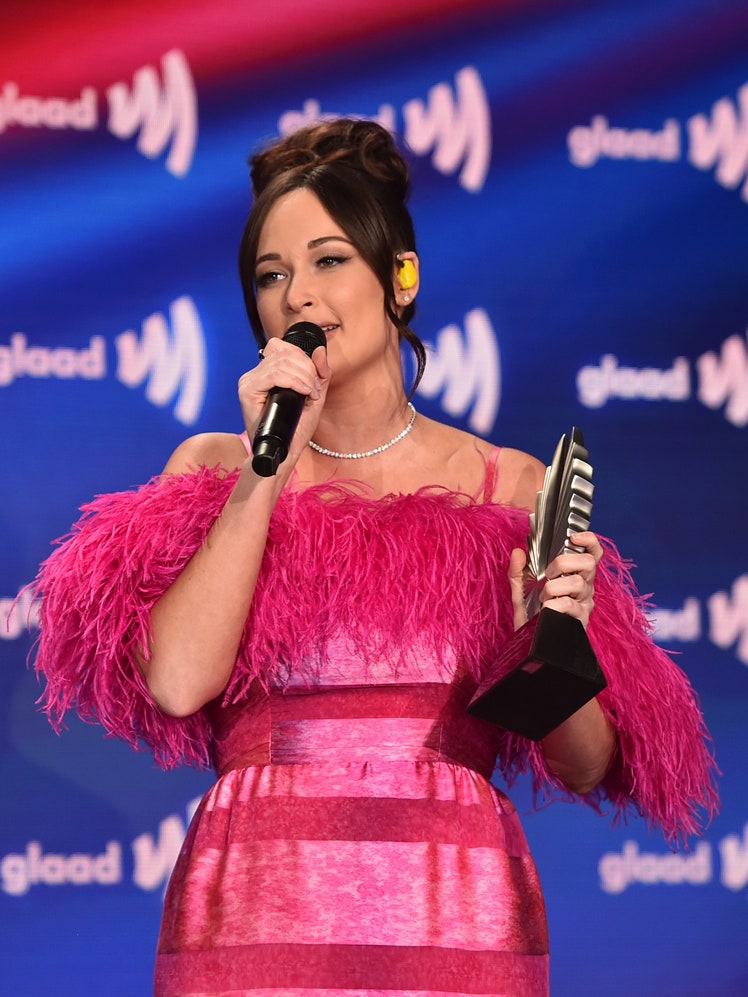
406	278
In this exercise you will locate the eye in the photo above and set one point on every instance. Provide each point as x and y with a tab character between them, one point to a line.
331	260
268	278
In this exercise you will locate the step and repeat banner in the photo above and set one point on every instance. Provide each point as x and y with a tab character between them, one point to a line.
581	197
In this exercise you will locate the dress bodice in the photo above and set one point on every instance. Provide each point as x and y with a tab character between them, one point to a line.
355	714
409	580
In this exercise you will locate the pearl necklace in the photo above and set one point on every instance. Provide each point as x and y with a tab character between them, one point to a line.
368	453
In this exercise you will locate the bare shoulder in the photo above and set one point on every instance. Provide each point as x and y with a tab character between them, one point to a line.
519	478
453	458
207	450
464	460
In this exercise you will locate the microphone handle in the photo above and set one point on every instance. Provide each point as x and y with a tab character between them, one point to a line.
283	408
280	417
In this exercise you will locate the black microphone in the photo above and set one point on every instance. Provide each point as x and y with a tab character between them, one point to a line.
283	408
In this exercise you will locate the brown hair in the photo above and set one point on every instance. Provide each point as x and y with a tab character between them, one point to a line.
362	181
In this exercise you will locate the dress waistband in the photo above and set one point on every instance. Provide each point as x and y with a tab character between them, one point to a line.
424	722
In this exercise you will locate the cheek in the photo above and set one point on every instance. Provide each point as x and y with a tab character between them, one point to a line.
269	317
369	301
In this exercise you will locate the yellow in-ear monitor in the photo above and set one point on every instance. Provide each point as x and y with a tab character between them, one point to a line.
407	274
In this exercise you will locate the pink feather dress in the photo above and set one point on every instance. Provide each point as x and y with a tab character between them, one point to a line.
353	842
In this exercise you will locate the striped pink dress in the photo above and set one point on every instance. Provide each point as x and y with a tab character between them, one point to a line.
353	842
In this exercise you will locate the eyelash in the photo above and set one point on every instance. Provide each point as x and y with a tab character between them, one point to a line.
332	259
268	278
328	262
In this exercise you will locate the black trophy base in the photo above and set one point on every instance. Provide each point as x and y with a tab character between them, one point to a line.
547	671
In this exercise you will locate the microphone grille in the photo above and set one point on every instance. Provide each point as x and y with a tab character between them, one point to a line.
307	336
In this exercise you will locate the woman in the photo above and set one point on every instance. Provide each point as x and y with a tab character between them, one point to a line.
319	633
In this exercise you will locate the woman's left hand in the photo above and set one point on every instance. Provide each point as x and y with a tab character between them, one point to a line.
570	580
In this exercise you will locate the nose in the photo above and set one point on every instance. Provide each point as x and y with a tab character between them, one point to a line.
300	293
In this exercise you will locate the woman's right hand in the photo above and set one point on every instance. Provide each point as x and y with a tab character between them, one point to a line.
286	366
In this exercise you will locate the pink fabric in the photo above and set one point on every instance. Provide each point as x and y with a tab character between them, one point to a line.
354	848
353	842
423	572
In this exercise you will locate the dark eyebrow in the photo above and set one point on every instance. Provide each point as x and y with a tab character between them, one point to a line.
327	238
267	256
310	245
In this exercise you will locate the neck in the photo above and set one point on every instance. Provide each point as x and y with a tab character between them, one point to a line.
359	424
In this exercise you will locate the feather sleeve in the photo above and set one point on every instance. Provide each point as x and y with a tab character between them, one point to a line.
416	571
96	591
664	767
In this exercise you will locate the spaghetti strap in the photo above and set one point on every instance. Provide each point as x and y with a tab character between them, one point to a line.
245	440
489	486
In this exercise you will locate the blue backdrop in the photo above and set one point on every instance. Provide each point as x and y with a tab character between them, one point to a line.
581	198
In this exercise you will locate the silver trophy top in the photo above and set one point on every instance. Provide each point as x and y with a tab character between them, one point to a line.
563	506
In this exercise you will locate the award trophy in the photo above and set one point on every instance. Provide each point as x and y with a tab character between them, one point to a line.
547	670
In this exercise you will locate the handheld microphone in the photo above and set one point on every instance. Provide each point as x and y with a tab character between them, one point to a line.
283	408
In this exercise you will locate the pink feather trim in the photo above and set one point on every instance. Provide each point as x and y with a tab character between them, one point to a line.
664	767
426	570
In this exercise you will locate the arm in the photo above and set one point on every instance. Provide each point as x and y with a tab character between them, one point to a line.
196	626
581	750
660	762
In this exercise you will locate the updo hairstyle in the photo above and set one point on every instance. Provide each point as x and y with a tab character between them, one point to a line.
361	179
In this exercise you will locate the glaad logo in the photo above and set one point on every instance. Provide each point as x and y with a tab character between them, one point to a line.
618	870
720	141
454	125
467	369
724	618
18	359
161	115
154	859
589	144
458	131
728	618
19	615
173	361
722	380
19	872
734	855
47	112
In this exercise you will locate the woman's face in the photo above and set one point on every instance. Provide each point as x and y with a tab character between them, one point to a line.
307	269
